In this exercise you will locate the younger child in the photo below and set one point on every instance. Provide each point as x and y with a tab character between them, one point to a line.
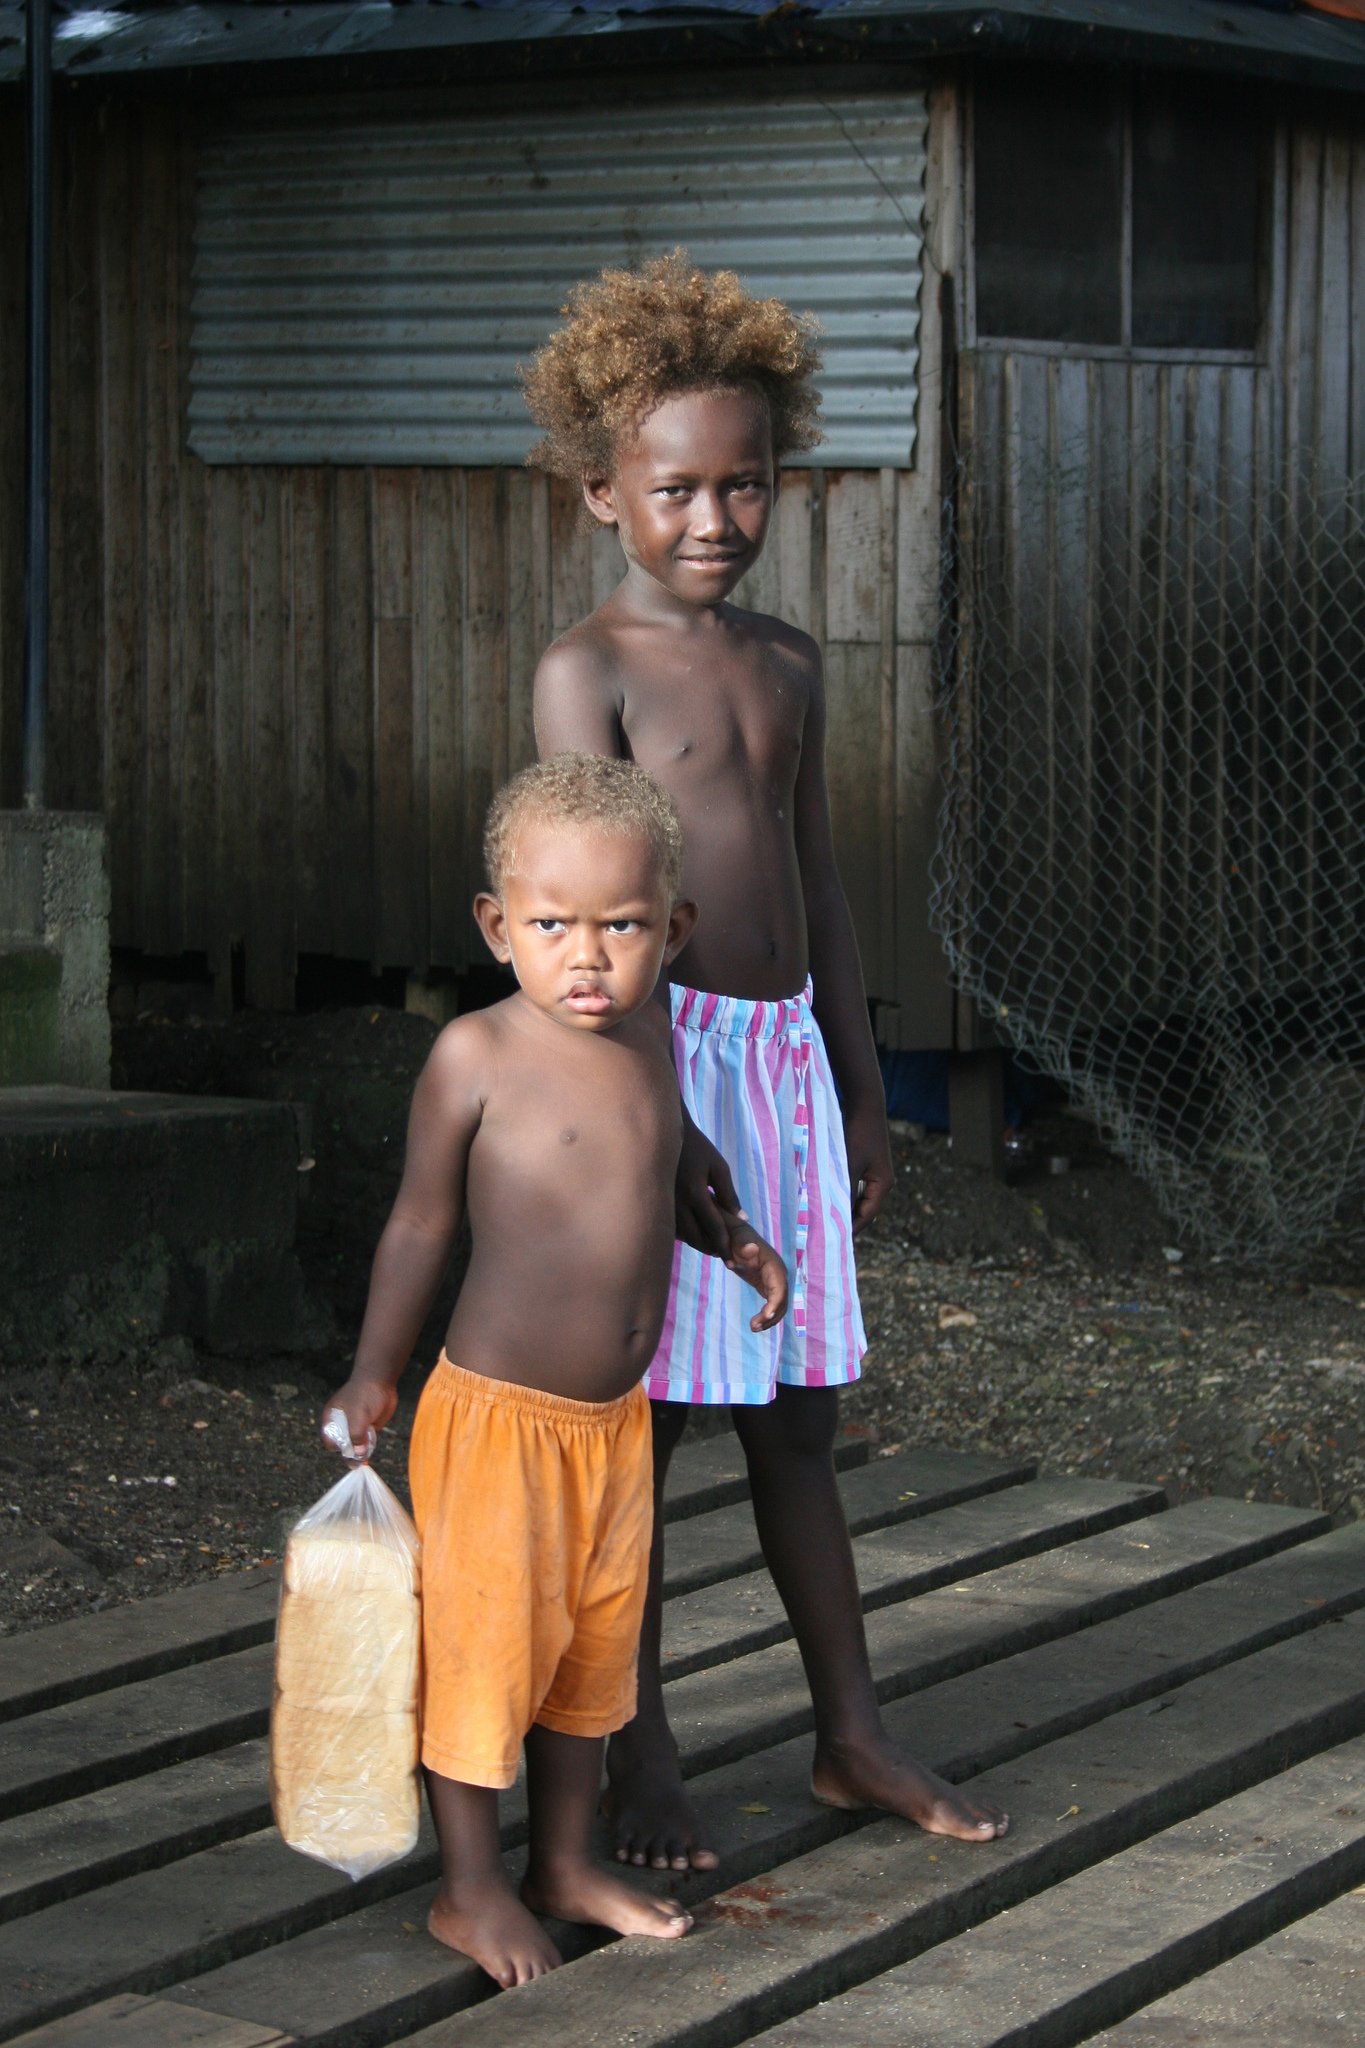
554	1118
670	396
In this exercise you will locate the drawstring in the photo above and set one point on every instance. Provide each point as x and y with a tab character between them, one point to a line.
799	1046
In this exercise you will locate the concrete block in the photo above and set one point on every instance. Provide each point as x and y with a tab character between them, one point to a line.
75	881
30	981
437	1000
247	1297
86	1176
21	877
128	1216
54	886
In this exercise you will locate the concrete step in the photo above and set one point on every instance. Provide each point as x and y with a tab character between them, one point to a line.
171	1214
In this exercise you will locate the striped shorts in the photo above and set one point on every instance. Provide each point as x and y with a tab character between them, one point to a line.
757	1081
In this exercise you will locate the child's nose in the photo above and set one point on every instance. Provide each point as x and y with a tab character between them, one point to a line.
710	515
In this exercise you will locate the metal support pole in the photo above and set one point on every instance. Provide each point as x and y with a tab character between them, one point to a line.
37	576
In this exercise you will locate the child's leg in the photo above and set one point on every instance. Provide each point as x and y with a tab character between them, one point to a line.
806	1547
476	1910
653	1821
563	1878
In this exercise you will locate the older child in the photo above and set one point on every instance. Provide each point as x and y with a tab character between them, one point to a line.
670	395
554	1118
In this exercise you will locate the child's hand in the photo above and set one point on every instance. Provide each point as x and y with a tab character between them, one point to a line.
755	1261
704	1193
870	1171
367	1405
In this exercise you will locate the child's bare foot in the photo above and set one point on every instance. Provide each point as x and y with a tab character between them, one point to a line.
652	1819
584	1891
894	1784
489	1924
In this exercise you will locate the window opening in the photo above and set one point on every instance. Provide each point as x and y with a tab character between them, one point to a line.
1116	214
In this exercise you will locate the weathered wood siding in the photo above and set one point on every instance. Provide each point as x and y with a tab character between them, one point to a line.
1158	678
292	691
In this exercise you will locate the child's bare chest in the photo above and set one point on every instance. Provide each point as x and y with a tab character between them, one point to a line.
565	1131
694	719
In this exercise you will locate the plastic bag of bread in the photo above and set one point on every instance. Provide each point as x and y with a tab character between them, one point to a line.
343	1727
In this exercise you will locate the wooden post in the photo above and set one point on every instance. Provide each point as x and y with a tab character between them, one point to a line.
435	997
37	567
976	1109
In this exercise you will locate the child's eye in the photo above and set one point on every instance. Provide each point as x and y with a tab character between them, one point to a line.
548	924
622	926
671	491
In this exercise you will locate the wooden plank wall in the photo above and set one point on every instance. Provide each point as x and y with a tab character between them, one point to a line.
292	691
12	246
1164	671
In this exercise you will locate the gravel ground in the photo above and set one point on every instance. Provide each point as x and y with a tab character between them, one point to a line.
1045	1319
1057	1320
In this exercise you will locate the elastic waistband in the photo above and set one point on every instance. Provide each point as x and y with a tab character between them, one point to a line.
735	1016
454	1383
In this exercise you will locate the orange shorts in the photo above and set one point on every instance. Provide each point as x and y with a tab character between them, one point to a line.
535	1515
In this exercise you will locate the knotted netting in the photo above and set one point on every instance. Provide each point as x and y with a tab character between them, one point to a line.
1150	872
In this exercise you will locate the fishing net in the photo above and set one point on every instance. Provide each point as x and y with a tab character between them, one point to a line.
1150	873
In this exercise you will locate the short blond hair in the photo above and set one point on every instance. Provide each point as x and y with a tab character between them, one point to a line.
585	789
632	338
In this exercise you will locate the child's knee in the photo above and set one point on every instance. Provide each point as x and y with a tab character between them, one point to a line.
799	1422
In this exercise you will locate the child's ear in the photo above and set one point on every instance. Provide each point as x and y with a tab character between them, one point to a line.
600	499
491	919
682	922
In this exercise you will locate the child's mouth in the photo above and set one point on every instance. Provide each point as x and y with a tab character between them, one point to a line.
590	1002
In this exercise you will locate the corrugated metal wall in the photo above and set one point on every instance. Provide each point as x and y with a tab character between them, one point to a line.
364	291
291	689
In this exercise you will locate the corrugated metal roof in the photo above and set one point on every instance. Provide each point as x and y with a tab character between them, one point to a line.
364	292
1257	36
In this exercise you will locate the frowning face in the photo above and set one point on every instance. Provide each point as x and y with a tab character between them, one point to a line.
585	922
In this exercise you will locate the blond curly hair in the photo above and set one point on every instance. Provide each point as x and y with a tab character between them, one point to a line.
585	789
632	338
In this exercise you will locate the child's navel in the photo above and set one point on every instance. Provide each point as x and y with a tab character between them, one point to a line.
568	1136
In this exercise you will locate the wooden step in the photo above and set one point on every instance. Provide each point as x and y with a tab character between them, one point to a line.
745	1613
1303	1988
143	1726
378	1970
77	1844
1058	1966
723	1543
217	1616
133	1729
130	2022
706	1473
838	1915
250	1932
999	1613
72	1659
59	1851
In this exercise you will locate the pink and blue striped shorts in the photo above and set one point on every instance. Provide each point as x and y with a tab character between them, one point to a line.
756	1078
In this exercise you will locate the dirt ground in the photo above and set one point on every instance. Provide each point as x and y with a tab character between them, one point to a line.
1054	1318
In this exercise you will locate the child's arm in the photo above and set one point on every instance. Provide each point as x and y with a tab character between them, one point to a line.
413	1252
840	997
577	711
